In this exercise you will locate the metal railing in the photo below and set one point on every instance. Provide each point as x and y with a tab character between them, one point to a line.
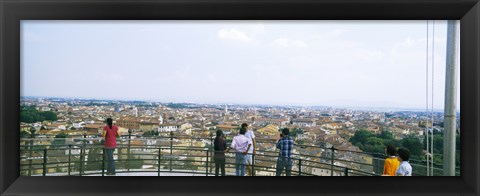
187	155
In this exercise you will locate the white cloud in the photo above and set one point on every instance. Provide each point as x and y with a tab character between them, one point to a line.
409	42
299	44
212	78
112	77
336	32
285	43
369	55
233	34
281	42
259	28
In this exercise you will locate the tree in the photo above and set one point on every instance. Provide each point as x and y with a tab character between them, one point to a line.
24	134
59	139
49	115
413	144
29	114
375	145
32	132
361	136
386	135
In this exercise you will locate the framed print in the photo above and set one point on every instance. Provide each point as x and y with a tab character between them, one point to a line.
158	97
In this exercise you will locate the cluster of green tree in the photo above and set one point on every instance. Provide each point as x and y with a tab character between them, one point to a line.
30	133
177	105
438	147
376	143
59	139
99	104
26	134
29	114
295	131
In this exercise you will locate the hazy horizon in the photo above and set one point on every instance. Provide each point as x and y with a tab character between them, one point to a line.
377	64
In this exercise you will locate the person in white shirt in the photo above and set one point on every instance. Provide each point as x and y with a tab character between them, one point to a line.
405	169
251	136
241	145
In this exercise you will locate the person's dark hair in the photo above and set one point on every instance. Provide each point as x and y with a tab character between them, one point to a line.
285	131
404	154
109	122
244	125
391	150
219	133
243	130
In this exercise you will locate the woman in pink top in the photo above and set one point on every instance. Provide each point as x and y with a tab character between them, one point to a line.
110	134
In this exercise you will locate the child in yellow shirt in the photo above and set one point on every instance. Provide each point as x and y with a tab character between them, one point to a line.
391	163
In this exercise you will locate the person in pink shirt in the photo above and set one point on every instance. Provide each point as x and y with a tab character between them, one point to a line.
241	145
110	133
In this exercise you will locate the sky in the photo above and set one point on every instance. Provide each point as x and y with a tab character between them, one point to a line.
323	63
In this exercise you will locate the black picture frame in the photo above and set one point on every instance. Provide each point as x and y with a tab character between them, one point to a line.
12	11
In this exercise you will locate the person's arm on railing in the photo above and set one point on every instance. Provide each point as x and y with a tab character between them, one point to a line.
254	143
104	133
232	146
278	144
248	148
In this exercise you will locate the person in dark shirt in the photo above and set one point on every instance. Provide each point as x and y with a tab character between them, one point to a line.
220	146
285	145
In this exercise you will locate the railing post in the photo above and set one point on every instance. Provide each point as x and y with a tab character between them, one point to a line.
126	163
30	152
80	169
206	169
332	160
159	159
212	149
69	158
300	167
44	162
253	164
171	152
345	172
82	163
103	162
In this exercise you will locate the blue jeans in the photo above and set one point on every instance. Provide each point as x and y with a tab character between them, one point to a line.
284	162
110	161
240	164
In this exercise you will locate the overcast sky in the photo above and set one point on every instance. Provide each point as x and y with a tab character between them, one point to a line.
328	63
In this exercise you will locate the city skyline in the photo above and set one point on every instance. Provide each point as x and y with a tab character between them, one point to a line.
258	62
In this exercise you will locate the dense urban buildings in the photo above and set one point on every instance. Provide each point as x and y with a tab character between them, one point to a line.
315	129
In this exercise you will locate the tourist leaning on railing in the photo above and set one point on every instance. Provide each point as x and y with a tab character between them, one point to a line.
110	133
405	169
251	136
391	163
241	145
285	144
220	146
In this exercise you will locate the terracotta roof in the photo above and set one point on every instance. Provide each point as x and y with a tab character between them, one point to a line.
303	120
95	126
